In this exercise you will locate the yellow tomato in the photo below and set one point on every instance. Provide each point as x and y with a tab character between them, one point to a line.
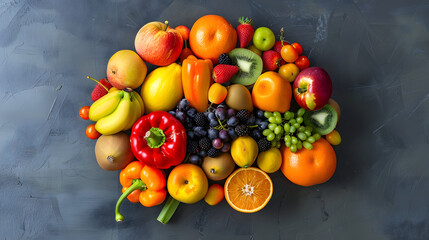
187	183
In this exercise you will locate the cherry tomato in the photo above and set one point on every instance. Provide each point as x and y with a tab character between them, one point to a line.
297	47
91	132
83	112
302	62
289	54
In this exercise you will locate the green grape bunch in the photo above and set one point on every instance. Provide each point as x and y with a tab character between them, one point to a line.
290	129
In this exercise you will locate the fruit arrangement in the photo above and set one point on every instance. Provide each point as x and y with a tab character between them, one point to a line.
215	117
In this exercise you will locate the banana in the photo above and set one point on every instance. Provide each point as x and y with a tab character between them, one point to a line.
105	105
136	112
139	98
117	120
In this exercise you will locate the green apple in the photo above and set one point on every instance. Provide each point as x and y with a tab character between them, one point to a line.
264	38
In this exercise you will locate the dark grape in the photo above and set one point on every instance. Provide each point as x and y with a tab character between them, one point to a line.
191	112
211	116
226	147
221	113
190	134
172	113
200	131
231	112
202	153
231	133
213	133
223	135
222	105
195	159
260	114
183	105
189	124
263	125
213	123
251	120
181	116
217	143
256	134
232	121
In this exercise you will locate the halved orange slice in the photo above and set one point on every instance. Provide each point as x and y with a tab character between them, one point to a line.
248	190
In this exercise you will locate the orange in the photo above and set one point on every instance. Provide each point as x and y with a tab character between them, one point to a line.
309	167
248	190
272	93
212	35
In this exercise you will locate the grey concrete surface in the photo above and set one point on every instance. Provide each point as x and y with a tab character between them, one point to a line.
377	53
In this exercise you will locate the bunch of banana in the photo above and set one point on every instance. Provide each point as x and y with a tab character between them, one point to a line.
116	111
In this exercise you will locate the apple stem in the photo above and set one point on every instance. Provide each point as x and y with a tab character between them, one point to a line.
166	25
98	83
301	90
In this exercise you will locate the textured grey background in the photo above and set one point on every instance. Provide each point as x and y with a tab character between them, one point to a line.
377	53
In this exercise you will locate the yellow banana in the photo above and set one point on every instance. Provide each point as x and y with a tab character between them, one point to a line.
136	113
105	105
118	120
139	98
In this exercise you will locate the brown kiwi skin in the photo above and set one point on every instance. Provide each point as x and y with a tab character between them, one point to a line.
239	97
218	168
113	152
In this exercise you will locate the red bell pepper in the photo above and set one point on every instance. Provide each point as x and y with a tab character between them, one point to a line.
142	184
159	140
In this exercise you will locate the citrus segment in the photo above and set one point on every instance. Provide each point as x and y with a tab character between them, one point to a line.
248	190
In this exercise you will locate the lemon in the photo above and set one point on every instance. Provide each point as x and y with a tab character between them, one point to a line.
244	151
270	161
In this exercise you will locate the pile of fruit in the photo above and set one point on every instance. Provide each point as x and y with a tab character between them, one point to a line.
213	119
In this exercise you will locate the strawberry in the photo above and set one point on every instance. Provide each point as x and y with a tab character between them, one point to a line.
223	72
99	90
245	31
271	60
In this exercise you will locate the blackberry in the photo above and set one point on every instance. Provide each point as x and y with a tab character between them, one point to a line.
243	115
205	143
264	145
224	59
242	130
213	152
201	120
192	147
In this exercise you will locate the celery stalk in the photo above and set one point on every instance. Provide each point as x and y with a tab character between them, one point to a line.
168	210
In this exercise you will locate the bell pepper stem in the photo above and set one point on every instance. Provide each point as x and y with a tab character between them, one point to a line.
138	184
168	210
155	137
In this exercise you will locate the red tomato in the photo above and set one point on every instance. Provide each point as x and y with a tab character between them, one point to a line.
91	132
83	112
302	62
298	48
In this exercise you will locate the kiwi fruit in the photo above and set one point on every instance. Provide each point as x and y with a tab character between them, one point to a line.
113	152
249	65
323	121
239	97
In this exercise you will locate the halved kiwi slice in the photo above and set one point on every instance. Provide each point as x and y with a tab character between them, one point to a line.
249	65
323	121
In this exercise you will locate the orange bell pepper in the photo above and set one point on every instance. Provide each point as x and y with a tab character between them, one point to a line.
141	183
196	81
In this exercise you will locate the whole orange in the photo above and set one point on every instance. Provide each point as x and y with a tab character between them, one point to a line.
212	35
272	93
309	167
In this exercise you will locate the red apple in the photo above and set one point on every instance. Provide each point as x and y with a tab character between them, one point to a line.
158	44
312	88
